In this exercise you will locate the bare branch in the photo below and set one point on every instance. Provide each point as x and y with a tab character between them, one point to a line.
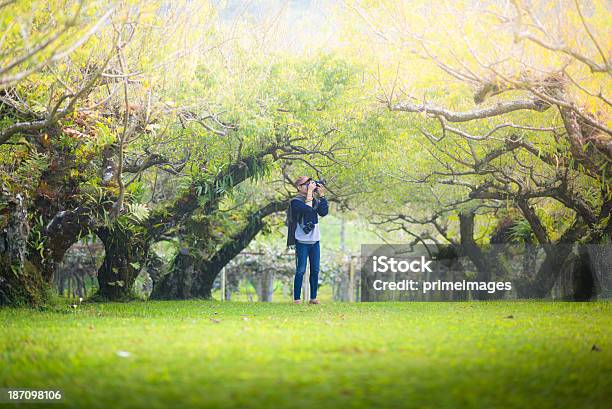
500	108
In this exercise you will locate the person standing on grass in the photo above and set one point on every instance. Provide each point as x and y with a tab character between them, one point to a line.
303	223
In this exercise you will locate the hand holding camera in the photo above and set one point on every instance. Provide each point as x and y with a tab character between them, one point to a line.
320	190
318	187
312	187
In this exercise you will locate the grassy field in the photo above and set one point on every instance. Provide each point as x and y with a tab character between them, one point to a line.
252	355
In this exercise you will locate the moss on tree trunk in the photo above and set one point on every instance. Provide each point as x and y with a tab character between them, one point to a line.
125	254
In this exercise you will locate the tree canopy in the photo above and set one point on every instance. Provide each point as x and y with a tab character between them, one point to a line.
143	122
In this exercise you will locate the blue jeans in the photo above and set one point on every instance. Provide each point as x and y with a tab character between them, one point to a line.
303	252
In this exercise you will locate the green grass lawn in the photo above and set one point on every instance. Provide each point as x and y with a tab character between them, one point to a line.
209	354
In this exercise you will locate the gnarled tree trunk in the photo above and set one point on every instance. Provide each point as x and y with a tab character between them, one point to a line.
202	277
20	281
125	255
178	283
487	263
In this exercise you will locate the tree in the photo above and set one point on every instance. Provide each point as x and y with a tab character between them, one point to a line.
86	134
544	142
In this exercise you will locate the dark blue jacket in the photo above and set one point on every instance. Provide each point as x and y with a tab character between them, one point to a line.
300	212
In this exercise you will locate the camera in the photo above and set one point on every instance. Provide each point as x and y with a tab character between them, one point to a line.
319	183
307	227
